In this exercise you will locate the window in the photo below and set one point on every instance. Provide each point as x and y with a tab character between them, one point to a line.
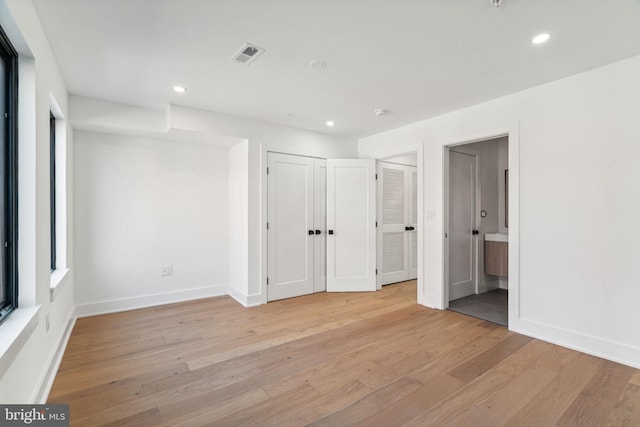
57	196
52	186
8	176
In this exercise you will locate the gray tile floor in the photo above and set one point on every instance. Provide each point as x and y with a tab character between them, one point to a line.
491	306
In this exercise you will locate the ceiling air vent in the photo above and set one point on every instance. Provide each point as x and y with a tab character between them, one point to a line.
247	54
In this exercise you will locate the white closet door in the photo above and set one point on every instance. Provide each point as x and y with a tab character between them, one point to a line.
394	221
413	222
290	264
320	225
351	239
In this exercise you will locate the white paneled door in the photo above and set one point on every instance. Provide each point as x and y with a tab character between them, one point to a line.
398	217
295	238
351	238
462	225
320	226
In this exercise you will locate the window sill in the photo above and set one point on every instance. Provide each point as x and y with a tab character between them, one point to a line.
57	282
16	330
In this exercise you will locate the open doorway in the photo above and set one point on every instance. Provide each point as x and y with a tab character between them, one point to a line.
397	221
477	256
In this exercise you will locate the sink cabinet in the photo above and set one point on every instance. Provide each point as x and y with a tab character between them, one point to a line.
496	258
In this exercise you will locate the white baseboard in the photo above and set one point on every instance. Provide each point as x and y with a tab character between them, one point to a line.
595	346
124	304
47	382
244	299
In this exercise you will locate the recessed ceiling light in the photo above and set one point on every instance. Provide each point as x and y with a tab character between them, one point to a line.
379	112
330	123
179	89
541	38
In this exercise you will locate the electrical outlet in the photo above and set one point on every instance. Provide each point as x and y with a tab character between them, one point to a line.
47	324
167	270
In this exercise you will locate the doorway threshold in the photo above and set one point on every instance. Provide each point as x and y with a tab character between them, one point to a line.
492	306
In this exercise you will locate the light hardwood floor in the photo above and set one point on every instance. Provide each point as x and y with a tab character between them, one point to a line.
371	359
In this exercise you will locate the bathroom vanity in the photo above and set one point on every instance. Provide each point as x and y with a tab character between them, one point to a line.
496	254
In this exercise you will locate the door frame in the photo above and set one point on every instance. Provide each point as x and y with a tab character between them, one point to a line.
379	214
419	152
513	134
260	228
460	148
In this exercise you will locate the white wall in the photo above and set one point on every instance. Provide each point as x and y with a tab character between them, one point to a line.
142	204
238	220
248	142
574	200
26	375
262	138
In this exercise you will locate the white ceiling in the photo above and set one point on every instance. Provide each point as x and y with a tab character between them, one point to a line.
414	58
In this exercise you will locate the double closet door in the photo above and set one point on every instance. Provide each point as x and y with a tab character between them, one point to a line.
321	225
399	216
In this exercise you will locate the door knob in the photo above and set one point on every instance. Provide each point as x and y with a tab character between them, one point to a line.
475	232
329	231
318	231
311	233
409	228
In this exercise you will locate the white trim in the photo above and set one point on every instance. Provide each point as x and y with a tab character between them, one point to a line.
605	349
379	235
42	392
264	216
57	281
16	330
421	285
441	301
244	299
124	304
514	225
61	206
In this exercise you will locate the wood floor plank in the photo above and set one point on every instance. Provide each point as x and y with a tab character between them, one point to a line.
330	359
595	402
200	411
481	388
481	363
336	399
508	399
271	412
552	401
436	383
635	378
369	404
626	412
